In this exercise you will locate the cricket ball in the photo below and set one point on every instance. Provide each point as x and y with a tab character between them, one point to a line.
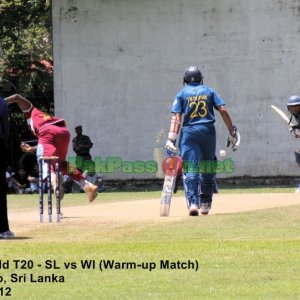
222	153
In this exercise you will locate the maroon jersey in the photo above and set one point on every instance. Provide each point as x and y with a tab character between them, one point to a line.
39	121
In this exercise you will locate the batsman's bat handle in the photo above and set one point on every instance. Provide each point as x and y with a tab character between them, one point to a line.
178	178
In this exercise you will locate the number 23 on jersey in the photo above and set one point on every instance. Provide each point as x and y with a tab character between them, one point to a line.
198	108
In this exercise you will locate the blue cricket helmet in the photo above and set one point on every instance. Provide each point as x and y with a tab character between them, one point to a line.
293	106
192	74
293	100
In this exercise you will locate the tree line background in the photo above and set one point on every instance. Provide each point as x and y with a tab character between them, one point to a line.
26	65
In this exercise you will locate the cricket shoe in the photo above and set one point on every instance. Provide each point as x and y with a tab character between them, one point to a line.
91	190
7	235
193	210
205	208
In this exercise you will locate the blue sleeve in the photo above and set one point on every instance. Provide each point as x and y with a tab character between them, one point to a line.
177	106
218	101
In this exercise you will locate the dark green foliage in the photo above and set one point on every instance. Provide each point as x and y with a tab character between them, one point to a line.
26	59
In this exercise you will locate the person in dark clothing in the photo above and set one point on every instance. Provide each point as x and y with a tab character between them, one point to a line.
5	232
33	178
82	145
20	182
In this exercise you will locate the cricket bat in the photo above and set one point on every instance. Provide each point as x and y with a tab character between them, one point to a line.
283	116
172	166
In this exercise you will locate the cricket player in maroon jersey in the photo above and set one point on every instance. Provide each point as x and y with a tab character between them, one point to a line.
53	140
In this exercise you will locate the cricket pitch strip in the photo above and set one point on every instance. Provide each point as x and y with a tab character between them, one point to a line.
148	210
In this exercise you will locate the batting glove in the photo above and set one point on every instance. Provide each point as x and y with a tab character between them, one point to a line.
295	130
171	149
297	133
234	139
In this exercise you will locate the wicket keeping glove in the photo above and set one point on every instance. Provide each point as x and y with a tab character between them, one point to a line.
234	139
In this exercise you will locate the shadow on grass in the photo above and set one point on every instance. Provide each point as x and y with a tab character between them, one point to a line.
16	238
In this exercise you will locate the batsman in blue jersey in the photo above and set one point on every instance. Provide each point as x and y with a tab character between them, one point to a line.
194	107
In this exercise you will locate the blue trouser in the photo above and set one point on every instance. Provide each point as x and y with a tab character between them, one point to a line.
197	147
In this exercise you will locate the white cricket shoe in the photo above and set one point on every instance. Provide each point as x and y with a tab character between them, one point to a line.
204	208
193	210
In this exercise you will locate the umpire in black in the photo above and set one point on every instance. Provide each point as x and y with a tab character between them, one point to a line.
5	233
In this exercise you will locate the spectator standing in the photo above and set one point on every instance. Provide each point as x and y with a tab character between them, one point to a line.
82	145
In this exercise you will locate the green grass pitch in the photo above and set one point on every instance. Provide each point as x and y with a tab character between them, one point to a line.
249	255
